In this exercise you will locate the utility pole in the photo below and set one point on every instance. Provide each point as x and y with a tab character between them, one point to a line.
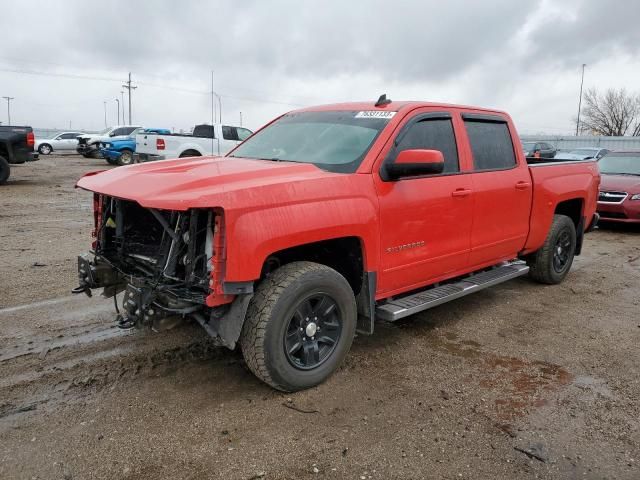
118	117
129	87
8	99
105	114
219	107
240	118
213	117
580	101
122	99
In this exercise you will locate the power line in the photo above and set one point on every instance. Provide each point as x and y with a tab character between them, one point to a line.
63	75
168	87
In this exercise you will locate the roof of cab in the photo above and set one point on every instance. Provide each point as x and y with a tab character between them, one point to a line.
394	106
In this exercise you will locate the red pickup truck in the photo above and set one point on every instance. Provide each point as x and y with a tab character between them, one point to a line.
327	218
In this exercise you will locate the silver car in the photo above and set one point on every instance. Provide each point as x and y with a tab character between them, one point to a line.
65	141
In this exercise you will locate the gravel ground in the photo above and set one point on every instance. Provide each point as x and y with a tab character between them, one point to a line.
519	381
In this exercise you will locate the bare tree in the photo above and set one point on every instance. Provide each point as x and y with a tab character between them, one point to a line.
614	113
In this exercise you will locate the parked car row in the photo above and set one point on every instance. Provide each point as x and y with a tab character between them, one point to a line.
215	139
544	150
126	144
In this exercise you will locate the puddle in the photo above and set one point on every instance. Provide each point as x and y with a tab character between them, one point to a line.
595	385
520	385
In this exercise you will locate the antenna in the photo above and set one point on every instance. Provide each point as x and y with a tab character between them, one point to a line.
383	100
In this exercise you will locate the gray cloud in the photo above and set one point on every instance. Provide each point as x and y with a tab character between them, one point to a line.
292	52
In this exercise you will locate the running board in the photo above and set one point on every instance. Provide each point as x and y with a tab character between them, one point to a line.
402	307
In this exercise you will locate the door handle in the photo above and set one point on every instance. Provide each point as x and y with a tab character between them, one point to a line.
461	192
523	185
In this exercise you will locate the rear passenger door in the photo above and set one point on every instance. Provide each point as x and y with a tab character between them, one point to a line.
502	191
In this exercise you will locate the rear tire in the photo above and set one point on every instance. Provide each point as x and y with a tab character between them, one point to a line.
5	170
552	262
125	158
299	327
111	161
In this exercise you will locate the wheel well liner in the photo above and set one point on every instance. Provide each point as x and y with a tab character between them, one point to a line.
573	209
342	254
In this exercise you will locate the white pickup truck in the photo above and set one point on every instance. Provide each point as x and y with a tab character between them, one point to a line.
204	140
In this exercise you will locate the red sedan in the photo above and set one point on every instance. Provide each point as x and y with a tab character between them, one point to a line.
619	198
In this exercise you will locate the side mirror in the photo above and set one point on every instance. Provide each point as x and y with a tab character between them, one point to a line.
413	163
112	134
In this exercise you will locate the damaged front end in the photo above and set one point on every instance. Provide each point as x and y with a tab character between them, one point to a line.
168	263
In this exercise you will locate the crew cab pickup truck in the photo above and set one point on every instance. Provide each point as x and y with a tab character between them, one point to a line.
16	146
330	217
204	140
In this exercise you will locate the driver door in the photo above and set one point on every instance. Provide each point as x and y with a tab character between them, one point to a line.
425	222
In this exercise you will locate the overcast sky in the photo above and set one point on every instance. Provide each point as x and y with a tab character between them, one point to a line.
61	60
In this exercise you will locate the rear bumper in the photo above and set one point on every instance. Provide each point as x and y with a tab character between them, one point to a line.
625	212
146	157
22	155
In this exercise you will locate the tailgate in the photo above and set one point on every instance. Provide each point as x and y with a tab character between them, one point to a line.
148	143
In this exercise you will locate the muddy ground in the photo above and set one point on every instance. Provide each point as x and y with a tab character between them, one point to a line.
520	381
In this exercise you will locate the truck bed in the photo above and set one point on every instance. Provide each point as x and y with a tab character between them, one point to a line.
555	182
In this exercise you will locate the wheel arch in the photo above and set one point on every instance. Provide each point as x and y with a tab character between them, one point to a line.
346	255
190	152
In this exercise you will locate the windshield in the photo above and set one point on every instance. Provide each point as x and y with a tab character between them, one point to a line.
336	141
620	164
528	145
584	151
105	131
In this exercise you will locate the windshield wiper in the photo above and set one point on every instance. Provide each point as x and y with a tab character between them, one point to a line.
621	173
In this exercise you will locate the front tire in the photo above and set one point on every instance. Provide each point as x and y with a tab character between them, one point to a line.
125	158
111	161
45	149
299	327
552	262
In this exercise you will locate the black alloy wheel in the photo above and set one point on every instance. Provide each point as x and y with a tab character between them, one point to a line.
313	331
562	251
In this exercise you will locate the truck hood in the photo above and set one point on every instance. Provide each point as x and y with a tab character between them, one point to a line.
207	182
95	138
620	183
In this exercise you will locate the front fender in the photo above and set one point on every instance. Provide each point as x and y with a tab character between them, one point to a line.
252	236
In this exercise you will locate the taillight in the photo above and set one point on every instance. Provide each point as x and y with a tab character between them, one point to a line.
31	139
160	143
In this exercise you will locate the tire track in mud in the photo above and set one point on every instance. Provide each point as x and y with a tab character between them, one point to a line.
77	350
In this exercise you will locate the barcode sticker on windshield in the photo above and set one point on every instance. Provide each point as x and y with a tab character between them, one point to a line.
375	114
